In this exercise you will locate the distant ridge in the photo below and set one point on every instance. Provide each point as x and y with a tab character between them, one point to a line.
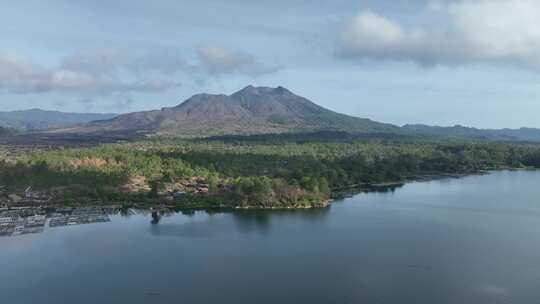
38	120
252	110
458	131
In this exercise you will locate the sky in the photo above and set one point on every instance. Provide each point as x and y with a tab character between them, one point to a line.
439	62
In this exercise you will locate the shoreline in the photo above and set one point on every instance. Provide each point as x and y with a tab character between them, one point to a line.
390	185
336	194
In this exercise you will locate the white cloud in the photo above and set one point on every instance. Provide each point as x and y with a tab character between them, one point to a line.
495	31
101	72
20	75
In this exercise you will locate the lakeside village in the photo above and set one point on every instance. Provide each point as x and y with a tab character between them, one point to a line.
30	198
28	213
33	211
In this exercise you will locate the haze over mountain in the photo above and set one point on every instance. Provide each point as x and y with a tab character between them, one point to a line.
252	110
37	119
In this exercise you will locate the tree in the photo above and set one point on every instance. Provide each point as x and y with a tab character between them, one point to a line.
324	188
213	182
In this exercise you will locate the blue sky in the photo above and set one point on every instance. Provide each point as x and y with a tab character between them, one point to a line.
469	62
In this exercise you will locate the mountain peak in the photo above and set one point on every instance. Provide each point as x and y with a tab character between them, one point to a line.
252	90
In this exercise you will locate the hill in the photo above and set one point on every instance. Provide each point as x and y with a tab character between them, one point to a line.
37	119
252	110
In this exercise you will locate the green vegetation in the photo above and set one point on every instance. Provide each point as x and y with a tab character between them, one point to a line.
262	171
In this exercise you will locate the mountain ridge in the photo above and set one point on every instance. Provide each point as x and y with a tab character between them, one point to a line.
36	119
251	110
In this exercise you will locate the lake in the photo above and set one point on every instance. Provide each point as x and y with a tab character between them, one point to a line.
469	240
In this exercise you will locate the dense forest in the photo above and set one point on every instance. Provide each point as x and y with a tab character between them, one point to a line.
271	170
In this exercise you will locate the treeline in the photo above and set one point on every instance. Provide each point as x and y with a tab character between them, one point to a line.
265	171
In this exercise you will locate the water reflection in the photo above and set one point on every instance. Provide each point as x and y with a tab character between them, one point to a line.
127	212
249	221
350	192
211	223
155	217
197	223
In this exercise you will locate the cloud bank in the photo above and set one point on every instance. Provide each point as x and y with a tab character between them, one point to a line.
102	72
493	31
99	76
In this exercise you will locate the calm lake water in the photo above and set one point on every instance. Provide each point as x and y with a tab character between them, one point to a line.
469	240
